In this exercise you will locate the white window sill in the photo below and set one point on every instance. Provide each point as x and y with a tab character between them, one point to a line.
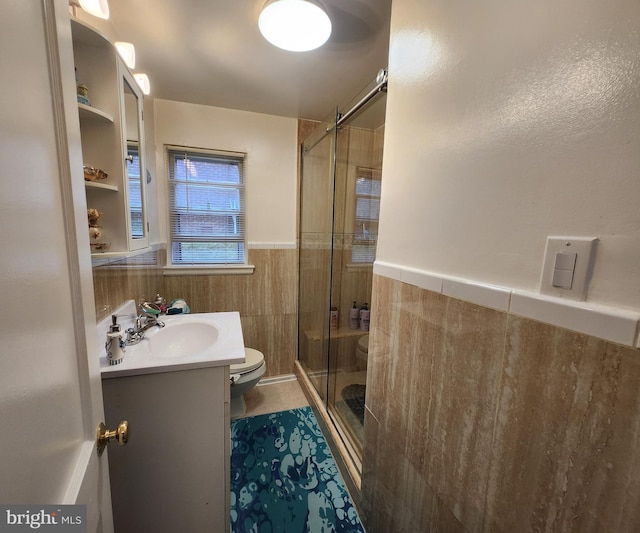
208	270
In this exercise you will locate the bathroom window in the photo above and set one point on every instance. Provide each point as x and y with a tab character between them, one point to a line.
367	213
206	207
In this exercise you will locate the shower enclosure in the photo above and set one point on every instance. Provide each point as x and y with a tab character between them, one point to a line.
339	210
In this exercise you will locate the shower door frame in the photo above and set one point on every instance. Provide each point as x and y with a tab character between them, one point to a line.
319	383
326	334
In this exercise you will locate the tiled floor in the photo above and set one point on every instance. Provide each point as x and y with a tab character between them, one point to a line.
274	397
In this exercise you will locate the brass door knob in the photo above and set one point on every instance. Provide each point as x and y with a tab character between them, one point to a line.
104	436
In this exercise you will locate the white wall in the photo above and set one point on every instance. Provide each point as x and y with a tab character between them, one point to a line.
490	146
270	143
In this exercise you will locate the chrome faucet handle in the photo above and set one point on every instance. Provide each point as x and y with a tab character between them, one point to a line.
134	336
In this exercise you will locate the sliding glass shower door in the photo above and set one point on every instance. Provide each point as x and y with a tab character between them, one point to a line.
355	233
339	210
316	232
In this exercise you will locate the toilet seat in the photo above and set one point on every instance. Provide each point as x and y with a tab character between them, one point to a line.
363	343
253	359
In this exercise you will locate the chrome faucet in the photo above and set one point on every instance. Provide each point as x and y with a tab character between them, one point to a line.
148	318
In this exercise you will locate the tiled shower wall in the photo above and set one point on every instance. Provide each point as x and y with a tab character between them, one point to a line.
480	420
266	299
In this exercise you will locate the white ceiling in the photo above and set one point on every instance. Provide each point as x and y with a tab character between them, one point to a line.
211	52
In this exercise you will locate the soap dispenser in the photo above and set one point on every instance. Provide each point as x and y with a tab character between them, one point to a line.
115	343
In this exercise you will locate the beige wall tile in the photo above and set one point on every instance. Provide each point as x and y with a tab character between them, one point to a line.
467	347
442	378
270	290
305	127
382	342
390	478
498	423
138	278
266	300
567	434
275	337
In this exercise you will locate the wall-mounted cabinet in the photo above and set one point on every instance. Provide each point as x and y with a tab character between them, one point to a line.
111	127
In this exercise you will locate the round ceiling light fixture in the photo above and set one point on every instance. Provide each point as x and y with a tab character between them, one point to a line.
295	25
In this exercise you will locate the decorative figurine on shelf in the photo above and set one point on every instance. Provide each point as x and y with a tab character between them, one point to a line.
97	242
93	215
95	230
83	94
92	173
82	91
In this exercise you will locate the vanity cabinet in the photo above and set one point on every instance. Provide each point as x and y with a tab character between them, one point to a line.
173	474
112	135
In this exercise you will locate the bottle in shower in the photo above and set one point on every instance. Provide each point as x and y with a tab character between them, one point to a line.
334	318
365	317
354	317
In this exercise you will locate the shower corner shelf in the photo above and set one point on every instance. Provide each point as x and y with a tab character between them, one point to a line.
336	334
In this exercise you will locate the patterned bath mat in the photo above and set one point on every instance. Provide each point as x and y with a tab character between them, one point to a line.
284	478
354	397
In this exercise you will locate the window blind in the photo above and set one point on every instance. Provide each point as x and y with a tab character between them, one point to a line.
367	213
206	207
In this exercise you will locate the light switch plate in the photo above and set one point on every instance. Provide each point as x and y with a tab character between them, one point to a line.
584	248
562	278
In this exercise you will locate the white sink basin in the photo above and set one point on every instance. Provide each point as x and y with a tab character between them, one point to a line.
180	338
196	340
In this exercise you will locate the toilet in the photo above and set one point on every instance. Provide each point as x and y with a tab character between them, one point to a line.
243	377
362	348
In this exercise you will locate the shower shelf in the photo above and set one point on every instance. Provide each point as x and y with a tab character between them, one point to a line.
336	334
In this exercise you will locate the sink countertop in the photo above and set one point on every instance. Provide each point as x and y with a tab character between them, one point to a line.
138	359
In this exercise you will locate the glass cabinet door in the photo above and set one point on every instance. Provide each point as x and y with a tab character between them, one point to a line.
135	169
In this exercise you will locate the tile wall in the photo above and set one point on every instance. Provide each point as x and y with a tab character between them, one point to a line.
266	299
137	278
481	420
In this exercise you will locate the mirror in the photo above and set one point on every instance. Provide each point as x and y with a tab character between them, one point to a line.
134	160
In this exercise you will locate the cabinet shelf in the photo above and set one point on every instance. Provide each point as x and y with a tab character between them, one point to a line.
105	127
119	254
103	186
106	255
87	35
88	112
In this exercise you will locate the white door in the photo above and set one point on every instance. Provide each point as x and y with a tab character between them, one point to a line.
50	393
